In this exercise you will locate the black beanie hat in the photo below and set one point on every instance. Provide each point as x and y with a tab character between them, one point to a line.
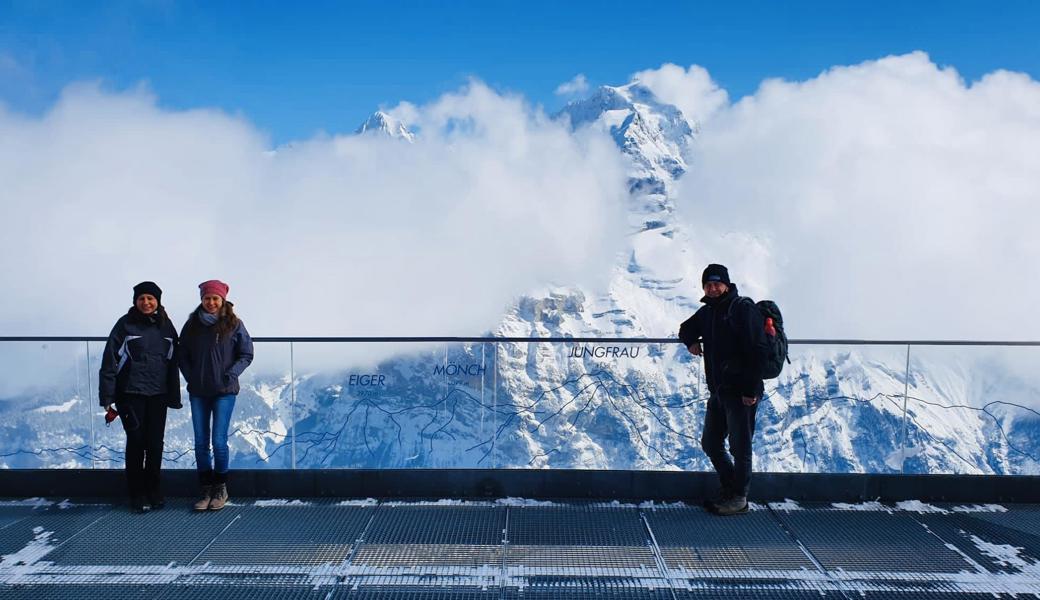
715	273
147	287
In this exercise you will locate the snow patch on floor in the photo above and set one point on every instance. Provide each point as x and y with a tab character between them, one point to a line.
32	552
1003	554
362	502
33	502
521	502
873	506
979	508
281	502
920	507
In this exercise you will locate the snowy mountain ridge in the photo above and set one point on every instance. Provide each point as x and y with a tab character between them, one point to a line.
655	136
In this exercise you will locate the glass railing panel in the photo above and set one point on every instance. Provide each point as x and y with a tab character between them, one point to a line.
109	444
45	405
599	406
468	419
641	406
259	432
834	409
261	426
596	405
393	405
974	410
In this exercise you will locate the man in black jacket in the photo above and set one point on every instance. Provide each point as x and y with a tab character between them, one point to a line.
732	331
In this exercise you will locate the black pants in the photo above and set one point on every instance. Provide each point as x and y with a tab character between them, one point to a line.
726	415
144	420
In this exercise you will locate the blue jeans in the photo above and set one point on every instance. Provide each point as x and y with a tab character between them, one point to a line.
217	411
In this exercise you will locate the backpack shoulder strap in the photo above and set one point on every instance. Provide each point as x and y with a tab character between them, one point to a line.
737	300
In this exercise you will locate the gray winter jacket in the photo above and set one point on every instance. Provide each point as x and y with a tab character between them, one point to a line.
212	362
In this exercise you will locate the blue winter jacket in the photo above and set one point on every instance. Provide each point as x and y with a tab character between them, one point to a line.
140	357
212	362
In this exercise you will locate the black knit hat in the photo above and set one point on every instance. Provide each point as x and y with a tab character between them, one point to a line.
715	273
147	287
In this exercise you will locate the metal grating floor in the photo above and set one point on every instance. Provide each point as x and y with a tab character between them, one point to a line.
45	527
872	541
415	593
548	588
578	537
451	525
977	538
174	535
690	538
299	535
576	525
78	591
515	550
1026	519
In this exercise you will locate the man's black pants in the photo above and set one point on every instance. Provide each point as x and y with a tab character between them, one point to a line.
144	420
726	415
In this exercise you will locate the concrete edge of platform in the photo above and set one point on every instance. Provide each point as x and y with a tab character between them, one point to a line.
537	484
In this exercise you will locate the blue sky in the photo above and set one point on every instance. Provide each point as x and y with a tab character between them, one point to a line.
324	67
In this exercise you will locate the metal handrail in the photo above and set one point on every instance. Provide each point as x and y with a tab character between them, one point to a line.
494	339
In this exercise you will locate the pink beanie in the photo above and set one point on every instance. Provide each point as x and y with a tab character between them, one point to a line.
214	286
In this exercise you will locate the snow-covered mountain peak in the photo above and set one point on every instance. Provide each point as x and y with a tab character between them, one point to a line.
655	135
613	97
384	124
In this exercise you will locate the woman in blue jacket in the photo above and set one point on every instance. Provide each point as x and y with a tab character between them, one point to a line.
138	377
215	350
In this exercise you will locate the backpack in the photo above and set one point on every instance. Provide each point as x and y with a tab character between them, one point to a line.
771	357
776	340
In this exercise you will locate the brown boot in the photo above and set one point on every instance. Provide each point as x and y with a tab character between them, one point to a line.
737	505
219	498
203	503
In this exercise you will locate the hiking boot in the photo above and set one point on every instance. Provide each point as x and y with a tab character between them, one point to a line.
712	504
736	505
203	502
219	498
138	504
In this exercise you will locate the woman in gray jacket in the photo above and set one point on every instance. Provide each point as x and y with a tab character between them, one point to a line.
215	350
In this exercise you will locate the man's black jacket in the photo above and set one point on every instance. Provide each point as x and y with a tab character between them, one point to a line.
733	333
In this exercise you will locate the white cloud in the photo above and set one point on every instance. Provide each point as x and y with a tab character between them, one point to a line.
692	90
329	236
889	199
406	112
578	85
